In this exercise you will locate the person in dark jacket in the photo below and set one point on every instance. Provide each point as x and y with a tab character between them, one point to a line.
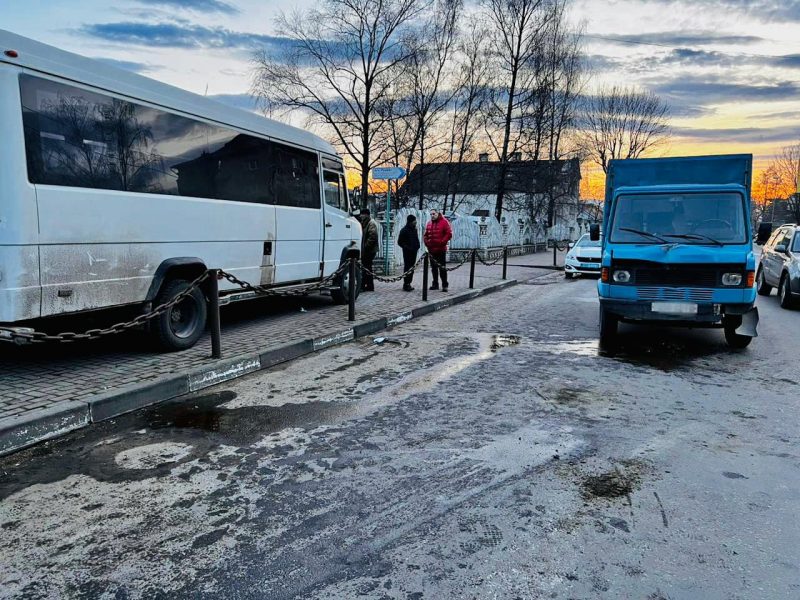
408	240
369	249
437	235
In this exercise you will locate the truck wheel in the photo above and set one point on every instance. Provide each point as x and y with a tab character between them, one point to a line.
608	328
785	293
341	287
761	285
735	340
180	326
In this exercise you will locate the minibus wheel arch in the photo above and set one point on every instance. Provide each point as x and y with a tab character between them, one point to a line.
188	268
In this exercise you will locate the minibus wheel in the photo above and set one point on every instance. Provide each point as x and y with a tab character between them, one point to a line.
735	340
180	326
608	328
341	287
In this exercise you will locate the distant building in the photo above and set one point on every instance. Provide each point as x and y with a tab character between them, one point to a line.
470	188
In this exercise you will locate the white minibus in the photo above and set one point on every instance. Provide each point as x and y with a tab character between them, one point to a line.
117	190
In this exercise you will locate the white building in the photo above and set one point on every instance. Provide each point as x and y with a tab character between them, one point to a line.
541	194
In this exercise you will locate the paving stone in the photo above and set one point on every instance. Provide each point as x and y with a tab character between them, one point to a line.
39	376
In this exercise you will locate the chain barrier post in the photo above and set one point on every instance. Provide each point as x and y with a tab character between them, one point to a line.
505	261
472	269
213	314
351	291
425	277
555	250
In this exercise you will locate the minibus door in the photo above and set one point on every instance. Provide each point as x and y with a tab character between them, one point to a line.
338	224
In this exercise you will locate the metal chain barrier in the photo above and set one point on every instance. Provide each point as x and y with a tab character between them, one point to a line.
488	264
25	335
22	335
397	277
458	266
262	290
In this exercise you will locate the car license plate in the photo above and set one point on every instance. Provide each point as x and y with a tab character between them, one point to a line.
675	308
588	266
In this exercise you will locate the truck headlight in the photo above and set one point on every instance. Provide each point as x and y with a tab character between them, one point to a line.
732	279
622	276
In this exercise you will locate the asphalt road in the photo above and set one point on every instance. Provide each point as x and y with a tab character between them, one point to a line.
451	461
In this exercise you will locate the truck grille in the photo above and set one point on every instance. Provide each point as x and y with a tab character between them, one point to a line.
644	273
679	294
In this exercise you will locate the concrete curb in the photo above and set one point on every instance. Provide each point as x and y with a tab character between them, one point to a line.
31	428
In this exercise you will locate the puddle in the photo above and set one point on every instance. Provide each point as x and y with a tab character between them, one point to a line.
575	347
246	425
501	340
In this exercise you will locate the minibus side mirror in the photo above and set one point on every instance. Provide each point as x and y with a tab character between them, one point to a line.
594	232
764	232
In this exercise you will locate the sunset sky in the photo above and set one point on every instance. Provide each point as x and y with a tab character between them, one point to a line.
729	69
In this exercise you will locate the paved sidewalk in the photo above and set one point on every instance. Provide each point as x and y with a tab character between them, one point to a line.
56	382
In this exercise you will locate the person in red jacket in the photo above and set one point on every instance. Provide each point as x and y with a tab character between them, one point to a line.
437	233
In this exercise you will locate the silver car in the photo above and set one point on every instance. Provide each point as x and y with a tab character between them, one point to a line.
780	266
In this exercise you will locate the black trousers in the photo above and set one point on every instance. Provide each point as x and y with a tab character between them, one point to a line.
436	272
367	283
409	258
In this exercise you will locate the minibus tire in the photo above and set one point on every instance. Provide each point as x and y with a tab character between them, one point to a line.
339	291
179	331
735	340
762	287
608	328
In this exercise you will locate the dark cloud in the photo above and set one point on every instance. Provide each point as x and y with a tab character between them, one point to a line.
765	10
713	58
679	38
599	62
706	90
746	135
128	65
180	35
197	5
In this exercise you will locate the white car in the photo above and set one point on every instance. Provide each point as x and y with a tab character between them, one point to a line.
583	257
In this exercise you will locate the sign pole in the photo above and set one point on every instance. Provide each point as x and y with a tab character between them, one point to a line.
388	228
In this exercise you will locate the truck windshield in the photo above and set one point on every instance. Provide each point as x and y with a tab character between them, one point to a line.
701	218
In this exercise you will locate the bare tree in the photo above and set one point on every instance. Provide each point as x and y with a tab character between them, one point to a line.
516	32
780	179
337	65
424	79
623	122
468	103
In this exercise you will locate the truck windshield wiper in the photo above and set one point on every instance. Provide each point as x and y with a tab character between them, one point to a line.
693	236
645	234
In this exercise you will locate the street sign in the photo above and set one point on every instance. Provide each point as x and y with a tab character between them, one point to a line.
388	173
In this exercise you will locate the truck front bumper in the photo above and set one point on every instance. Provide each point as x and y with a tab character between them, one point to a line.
708	314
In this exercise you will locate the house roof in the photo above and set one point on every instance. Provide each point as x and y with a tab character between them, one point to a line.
525	176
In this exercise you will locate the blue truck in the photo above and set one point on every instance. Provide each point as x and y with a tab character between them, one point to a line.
678	246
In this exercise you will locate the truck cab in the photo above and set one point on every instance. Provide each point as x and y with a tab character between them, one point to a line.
677	246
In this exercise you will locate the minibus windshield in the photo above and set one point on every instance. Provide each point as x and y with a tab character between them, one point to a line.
688	218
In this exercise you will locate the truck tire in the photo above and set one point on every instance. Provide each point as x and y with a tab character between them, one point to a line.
180	326
785	293
733	339
341	287
762	287
608	328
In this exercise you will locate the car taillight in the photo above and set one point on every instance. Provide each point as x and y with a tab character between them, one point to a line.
604	275
751	278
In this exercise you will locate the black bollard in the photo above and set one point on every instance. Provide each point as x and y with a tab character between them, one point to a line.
505	261
351	291
472	270
213	314
425	277
555	250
